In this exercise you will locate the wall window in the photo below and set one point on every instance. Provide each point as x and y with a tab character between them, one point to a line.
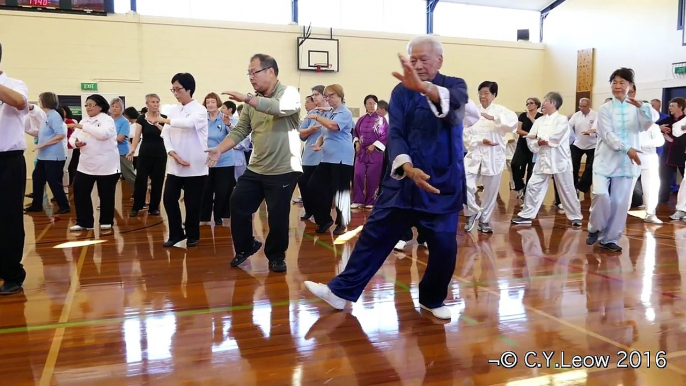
394	16
122	6
270	11
478	22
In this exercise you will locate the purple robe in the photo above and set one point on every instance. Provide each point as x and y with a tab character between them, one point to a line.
371	129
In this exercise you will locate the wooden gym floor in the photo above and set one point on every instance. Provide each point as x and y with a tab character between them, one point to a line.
118	309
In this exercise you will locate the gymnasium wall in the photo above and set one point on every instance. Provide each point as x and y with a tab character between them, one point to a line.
134	55
625	33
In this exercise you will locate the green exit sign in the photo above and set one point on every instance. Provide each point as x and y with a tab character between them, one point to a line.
89	86
680	70
76	110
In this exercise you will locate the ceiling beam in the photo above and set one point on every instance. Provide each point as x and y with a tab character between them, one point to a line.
544	14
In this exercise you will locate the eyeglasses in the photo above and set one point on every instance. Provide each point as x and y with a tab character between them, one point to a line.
252	74
91	106
175	90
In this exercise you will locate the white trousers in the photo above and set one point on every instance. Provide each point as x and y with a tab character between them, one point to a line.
488	198
537	187
681	197
65	174
650	182
609	206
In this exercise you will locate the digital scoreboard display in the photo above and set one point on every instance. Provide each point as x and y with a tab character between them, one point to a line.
79	6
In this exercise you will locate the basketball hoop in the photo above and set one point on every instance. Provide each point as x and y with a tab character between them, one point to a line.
319	67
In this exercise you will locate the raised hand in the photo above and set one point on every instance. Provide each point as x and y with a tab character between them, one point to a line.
235	95
409	77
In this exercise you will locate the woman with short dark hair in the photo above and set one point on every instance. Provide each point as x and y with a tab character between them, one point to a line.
369	136
96	137
51	157
522	160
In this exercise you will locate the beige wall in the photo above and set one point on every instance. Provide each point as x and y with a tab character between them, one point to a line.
133	55
625	33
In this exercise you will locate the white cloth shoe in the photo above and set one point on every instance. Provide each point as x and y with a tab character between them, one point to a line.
400	245
323	292
442	312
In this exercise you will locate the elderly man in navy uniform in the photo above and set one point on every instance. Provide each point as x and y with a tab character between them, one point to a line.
425	185
14	107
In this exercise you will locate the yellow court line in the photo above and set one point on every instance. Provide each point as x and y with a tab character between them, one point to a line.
51	360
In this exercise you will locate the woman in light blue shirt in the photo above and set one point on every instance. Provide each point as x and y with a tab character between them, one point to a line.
221	180
52	155
332	177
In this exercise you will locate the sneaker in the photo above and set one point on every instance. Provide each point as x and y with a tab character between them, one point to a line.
340	229
471	221
369	207
485	228
79	228
241	257
521	221
105	227
651	218
442	312
592	238
576	223
355	206
611	247
678	215
323	292
400	245
277	266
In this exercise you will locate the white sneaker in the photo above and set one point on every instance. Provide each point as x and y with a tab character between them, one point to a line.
323	292
651	218
678	215
440	312
355	206
400	245
105	227
79	228
369	206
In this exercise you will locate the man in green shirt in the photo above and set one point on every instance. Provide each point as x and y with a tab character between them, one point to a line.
273	118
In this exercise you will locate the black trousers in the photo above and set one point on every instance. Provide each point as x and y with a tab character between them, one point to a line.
83	187
73	164
584	183
153	168
305	193
251	189
13	183
522	163
327	180
667	177
52	173
217	193
192	197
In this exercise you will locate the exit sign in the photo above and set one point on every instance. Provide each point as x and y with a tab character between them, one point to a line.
680	70
89	87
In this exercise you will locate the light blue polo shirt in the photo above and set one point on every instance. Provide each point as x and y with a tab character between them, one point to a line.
52	127
338	145
311	157
123	128
216	133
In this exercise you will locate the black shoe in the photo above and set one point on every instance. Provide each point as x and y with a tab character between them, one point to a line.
155	212
576	223
63	211
31	209
171	242
340	229
192	242
241	257
324	228
10	288
612	247
133	213
592	238
277	266
219	223
306	217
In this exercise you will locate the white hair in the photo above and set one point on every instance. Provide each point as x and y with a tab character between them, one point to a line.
117	100
431	39
585	100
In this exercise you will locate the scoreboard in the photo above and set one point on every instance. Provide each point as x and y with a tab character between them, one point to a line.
78	6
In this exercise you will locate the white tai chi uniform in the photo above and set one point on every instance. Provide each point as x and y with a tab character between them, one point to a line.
650	167
614	174
510	148
485	160
678	129
554	159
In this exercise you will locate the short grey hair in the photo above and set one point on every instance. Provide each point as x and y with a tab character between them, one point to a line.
421	39
117	100
584	99
555	98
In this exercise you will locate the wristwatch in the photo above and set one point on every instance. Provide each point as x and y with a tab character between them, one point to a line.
248	98
429	85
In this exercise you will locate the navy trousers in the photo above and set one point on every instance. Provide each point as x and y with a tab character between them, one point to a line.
383	229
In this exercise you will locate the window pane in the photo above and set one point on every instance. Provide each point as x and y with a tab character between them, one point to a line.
122	6
270	11
401	16
165	8
477	22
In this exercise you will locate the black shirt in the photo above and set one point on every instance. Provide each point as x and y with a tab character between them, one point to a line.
526	126
153	144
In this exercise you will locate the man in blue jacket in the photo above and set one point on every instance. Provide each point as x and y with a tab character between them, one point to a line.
425	185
